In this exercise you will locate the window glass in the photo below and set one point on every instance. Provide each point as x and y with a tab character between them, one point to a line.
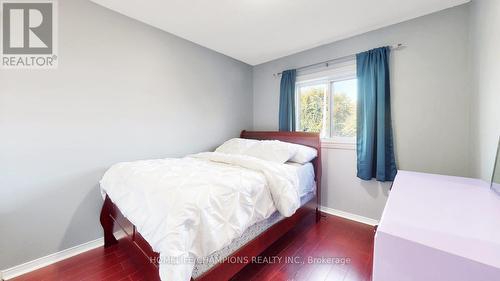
313	110
344	108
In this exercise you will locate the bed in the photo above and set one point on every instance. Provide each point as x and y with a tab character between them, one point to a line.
226	261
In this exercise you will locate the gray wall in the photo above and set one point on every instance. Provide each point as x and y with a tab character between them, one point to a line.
431	97
123	91
485	18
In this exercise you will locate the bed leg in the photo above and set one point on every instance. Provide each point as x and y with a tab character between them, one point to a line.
318	215
107	223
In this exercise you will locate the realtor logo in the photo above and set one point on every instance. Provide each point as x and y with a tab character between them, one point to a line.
28	34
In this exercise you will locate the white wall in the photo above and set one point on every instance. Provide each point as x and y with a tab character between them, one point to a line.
430	104
485	18
123	91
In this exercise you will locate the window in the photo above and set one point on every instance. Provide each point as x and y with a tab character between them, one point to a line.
326	103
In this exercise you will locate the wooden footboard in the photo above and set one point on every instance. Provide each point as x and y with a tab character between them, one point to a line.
113	222
107	221
116	225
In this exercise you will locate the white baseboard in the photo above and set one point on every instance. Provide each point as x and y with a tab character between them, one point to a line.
21	269
24	268
349	216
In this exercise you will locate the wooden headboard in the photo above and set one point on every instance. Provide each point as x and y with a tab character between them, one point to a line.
303	138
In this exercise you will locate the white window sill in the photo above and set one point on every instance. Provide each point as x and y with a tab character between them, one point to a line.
329	144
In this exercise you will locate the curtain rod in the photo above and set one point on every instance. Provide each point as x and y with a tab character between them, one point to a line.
328	62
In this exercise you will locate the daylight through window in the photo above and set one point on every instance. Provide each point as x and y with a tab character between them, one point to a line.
328	106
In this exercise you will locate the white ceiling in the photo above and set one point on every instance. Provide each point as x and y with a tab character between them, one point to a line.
257	31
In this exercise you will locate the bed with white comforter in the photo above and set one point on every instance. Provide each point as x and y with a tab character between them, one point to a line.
187	208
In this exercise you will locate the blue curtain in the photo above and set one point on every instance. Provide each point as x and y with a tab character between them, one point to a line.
287	101
375	148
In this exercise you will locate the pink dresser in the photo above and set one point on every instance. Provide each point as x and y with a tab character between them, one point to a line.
438	228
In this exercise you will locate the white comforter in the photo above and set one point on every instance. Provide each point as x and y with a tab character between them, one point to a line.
187	208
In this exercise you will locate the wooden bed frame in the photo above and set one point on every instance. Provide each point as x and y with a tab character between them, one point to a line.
112	220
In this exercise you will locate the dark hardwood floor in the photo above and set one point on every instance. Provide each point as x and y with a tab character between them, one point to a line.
333	249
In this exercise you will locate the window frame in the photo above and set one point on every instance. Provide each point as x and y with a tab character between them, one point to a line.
332	74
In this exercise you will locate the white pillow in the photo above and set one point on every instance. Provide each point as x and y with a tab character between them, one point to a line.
271	150
303	154
236	146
